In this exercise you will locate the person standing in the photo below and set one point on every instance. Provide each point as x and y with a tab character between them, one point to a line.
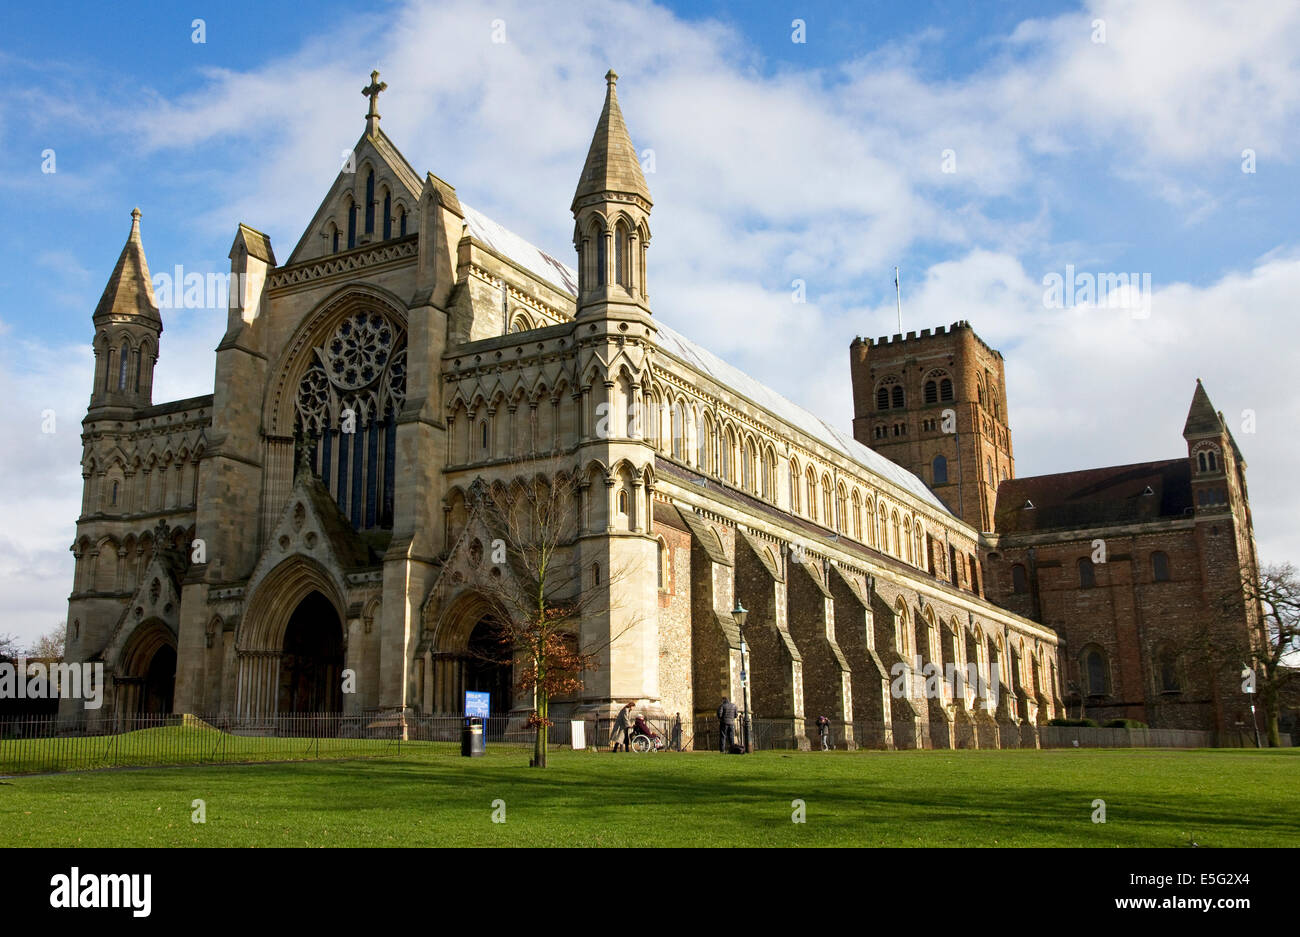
623	727
726	726
824	730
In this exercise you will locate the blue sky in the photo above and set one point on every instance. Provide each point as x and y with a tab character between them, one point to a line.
774	160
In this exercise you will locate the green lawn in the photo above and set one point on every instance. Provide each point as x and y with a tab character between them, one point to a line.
423	798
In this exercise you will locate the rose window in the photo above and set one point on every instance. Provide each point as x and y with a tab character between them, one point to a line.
347	404
358	350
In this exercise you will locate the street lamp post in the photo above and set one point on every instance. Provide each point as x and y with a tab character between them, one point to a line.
1248	684
740	614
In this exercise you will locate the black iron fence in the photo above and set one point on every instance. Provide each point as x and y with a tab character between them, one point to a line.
34	745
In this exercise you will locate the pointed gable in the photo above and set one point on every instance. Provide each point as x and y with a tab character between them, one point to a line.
129	291
391	169
312	525
612	164
1202	419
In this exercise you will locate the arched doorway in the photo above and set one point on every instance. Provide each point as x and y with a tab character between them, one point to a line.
311	660
488	667
147	674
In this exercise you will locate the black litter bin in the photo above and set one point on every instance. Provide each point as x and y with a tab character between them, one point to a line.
471	738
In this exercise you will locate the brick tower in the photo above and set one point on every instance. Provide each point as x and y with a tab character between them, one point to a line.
936	404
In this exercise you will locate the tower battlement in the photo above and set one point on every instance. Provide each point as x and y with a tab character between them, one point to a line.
935	403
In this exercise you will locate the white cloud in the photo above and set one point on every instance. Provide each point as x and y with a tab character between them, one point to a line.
830	176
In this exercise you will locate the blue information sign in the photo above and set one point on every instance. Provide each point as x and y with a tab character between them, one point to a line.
477	704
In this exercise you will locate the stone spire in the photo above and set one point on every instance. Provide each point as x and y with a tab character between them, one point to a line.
612	164
129	293
1202	420
611	213
127	331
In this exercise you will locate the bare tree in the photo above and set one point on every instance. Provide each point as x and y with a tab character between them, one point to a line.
1263	655
8	647
535	580
1272	654
50	646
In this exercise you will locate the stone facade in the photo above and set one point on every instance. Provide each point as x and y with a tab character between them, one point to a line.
1127	564
410	353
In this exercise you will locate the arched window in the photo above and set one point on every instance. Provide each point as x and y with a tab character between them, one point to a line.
857	516
841	509
678	441
884	531
940	468
810	483
388	215
728	453
595	574
901	631
1096	673
483	435
931	391
622	502
907	539
123	357
889	393
1087	575
1160	566
1019	582
747	465
600	258
989	463
828	517
897	536
114	501
401	222
334	240
1210	459
769	475
870	524
370	202
352	226
622	256
1201	463
945	389
794	486
360	368
703	441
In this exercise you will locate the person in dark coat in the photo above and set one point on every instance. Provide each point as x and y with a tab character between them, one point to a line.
726	725
824	730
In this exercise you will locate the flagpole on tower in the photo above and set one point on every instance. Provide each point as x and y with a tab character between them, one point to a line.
898	295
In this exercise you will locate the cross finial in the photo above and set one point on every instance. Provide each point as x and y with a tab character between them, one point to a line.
372	92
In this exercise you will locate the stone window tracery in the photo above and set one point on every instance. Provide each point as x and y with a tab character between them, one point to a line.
346	412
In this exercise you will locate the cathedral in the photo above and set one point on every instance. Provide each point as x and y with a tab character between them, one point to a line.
241	552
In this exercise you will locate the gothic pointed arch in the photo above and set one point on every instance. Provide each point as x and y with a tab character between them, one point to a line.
338	389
